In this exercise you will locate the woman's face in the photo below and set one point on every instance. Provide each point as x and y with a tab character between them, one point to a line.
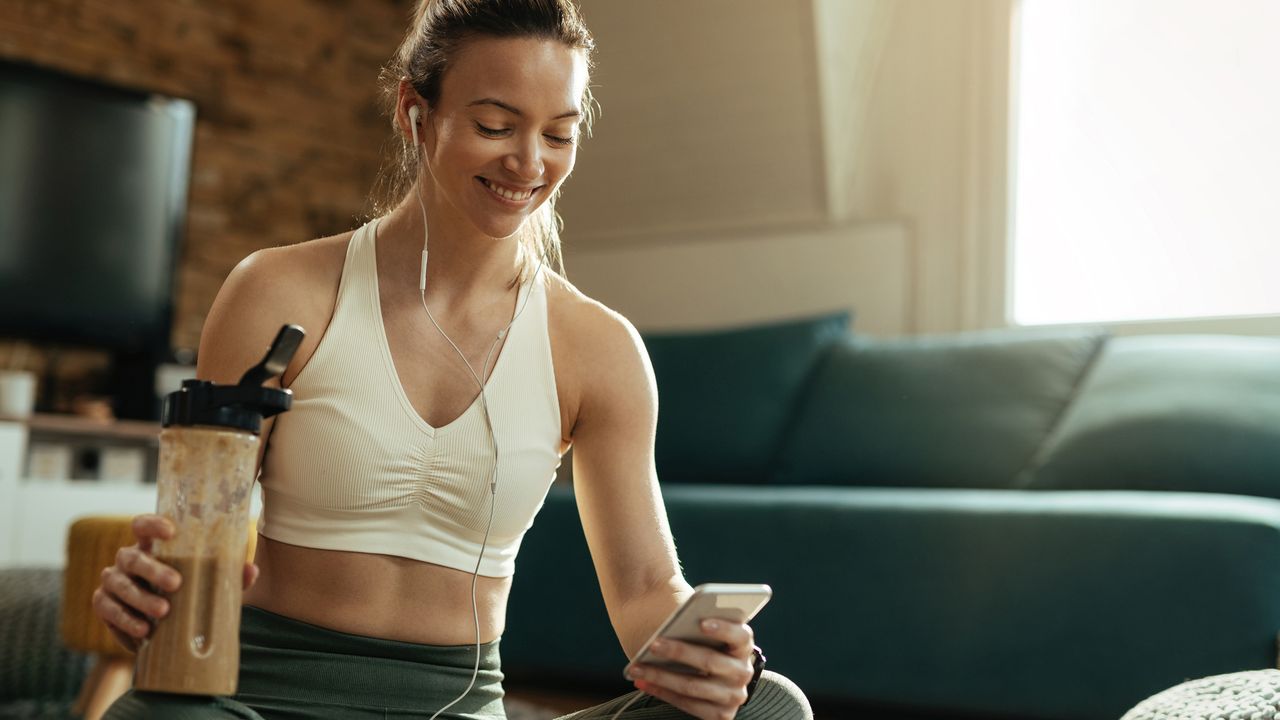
504	133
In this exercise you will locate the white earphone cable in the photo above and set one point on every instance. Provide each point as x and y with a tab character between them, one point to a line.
481	381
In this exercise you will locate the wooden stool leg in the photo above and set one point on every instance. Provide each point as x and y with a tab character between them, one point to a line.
115	680
90	685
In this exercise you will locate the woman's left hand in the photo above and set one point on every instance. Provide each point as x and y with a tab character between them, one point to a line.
720	689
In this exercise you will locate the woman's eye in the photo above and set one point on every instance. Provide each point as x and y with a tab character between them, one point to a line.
561	141
491	132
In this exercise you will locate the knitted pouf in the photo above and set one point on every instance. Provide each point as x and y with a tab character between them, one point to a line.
1252	695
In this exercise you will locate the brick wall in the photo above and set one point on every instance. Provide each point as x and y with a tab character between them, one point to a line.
288	137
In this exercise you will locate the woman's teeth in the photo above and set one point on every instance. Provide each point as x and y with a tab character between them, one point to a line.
508	194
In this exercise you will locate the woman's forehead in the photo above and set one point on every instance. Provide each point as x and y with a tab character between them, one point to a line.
535	76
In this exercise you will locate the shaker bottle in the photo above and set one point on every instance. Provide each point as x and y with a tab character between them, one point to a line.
208	461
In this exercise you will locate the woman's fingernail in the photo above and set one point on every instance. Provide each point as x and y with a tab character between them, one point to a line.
710	625
637	673
658	646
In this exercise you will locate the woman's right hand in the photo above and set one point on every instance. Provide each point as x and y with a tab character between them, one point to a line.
125	600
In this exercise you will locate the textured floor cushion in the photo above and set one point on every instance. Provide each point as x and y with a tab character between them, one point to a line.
1253	695
38	676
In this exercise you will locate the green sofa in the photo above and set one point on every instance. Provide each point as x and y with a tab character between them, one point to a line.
1019	523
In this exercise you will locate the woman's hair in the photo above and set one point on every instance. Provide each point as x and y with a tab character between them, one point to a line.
436	34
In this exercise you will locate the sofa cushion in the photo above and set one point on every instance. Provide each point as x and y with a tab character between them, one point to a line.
966	410
1194	413
725	397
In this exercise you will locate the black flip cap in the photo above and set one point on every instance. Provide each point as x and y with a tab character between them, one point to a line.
244	405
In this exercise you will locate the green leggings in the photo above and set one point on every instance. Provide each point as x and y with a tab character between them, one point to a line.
292	670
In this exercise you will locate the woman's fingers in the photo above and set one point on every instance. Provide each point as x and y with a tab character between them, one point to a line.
126	599
712	688
148	528
124	590
119	620
738	637
707	661
250	575
702	709
132	561
720	688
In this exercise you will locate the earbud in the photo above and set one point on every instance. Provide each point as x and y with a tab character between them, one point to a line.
413	122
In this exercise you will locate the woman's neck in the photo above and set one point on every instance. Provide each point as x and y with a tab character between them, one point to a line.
464	263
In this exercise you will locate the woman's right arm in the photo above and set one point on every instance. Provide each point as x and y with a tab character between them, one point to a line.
265	291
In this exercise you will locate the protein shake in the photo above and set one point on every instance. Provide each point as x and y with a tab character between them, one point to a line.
208	462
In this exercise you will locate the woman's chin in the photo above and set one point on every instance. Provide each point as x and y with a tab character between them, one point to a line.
499	229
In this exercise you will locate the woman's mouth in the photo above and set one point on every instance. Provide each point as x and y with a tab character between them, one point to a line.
515	196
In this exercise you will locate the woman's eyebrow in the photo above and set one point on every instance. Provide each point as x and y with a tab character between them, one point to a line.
515	110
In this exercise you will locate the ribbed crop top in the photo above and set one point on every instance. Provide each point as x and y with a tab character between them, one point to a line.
352	466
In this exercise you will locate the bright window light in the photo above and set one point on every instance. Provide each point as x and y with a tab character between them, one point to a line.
1147	160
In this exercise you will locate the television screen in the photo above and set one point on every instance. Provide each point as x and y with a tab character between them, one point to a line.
93	191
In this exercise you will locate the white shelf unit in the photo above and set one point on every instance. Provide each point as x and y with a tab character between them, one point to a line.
37	512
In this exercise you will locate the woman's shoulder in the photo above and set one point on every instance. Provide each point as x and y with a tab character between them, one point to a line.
585	323
291	284
603	350
307	265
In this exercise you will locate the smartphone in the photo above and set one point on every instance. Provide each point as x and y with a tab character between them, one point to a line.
735	602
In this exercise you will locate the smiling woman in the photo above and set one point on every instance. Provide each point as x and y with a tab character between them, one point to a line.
432	405
438	41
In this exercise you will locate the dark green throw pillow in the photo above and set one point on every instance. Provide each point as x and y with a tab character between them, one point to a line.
1197	413
963	410
725	397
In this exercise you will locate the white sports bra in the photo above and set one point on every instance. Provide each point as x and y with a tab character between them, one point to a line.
352	466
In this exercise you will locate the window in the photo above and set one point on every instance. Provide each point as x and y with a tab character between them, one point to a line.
1147	160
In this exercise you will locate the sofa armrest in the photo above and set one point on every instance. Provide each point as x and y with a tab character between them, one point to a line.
995	602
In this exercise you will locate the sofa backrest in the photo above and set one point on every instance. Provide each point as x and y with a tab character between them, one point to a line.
1171	412
965	410
726	397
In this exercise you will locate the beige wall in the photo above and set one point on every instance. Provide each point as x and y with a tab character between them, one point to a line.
717	147
740	278
803	119
710	120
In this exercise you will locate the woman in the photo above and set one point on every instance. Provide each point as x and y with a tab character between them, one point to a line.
432	403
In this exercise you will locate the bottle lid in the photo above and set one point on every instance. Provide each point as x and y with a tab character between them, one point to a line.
241	406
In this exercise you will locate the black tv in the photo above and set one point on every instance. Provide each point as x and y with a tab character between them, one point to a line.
93	194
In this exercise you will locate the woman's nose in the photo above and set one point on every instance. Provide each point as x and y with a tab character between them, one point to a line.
525	161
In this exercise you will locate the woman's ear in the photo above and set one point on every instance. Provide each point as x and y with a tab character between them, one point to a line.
411	107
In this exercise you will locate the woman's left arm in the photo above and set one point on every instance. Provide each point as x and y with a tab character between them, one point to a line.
625	522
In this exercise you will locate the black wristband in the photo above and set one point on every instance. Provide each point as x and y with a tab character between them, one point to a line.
757	664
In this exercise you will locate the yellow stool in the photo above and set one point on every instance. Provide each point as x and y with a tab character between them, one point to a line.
92	544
